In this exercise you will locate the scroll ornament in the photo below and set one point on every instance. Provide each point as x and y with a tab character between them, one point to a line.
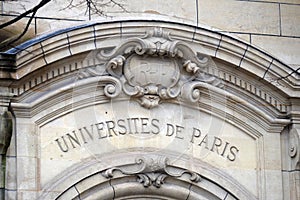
293	148
152	171
157	68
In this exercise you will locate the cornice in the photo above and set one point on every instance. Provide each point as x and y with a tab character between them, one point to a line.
95	90
151	69
53	47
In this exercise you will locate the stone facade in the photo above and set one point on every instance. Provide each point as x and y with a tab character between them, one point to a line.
152	103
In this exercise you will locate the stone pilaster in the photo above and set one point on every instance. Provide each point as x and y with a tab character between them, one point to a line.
291	168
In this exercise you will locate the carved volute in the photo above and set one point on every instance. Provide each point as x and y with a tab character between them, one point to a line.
155	68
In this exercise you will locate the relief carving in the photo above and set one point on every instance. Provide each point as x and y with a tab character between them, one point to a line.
152	171
155	68
294	143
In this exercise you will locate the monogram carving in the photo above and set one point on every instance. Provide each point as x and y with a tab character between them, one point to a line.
156	68
152	171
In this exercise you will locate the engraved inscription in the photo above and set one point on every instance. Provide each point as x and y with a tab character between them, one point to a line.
145	126
145	70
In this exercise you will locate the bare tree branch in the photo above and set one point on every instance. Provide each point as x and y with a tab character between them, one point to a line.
22	34
21	16
119	5
97	11
33	12
96	6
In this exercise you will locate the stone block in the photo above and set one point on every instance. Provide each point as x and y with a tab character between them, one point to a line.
240	16
283	48
49	194
254	58
17	7
11	176
23	57
174	8
229	50
101	191
209	186
56	47
69	194
280	1
290	20
243	37
27	175
10	195
26	194
274	185
199	193
63	10
286	184
273	161
209	41
229	197
50	25
26	139
81	40
90	182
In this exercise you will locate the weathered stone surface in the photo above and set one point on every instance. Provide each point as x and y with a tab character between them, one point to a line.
240	16
27	180
155	109
280	1
186	10
277	47
10	195
11	174
290	23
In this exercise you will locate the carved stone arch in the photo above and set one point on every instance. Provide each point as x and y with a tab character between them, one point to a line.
144	176
87	71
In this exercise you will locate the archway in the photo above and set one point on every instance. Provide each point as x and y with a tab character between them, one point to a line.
92	99
155	176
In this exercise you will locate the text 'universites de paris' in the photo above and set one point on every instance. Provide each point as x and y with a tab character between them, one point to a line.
139	125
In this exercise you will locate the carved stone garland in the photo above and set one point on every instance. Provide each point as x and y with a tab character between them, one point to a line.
152	171
155	68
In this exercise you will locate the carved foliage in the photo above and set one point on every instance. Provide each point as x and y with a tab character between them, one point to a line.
152	171
156	68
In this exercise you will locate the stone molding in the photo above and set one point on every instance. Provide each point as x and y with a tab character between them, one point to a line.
152	171
256	63
155	68
48	49
64	70
167	173
194	83
65	100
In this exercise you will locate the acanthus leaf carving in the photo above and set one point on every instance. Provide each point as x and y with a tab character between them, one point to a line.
112	86
152	171
156	67
115	64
